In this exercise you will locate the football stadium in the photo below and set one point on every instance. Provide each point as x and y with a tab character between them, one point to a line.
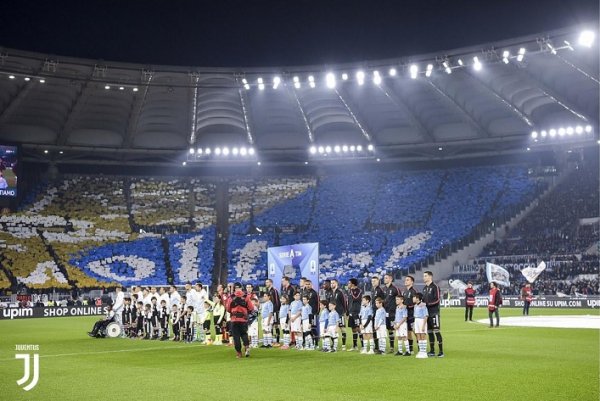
349	221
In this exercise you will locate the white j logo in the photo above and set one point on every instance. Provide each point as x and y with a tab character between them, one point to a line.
36	370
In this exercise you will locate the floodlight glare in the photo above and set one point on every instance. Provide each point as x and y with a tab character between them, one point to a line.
345	148
570	131
588	128
543	133
521	54
42	81
247	87
460	62
321	150
552	133
344	76
579	129
360	77
276	82
392	72
184	163
429	70
327	149
561	131
414	70
207	151
107	87
477	64
235	151
370	147
225	151
135	89
260	80
192	151
352	148
244	81
217	151
359	148
313	150
27	79
376	78
199	151
586	38
251	151
330	80
121	88
243	151
337	149
534	134
11	77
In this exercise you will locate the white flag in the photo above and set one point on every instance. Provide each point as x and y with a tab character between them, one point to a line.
531	273
498	274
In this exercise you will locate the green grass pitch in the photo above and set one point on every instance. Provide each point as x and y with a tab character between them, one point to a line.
508	363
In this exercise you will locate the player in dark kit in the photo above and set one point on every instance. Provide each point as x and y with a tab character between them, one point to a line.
390	291
354	303
376	292
431	297
408	295
340	307
274	296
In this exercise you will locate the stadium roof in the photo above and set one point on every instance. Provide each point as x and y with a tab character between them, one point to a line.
454	103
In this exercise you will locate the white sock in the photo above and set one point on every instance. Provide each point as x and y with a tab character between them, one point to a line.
372	344
406	346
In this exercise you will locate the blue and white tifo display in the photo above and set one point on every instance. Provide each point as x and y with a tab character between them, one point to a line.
294	261
9	155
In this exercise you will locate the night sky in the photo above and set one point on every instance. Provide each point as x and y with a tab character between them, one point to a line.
274	33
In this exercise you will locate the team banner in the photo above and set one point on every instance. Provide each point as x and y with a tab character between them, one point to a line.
51	311
531	273
458	285
541	301
294	261
497	274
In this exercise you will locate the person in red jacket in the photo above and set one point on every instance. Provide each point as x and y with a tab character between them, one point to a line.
469	301
240	306
527	297
494	303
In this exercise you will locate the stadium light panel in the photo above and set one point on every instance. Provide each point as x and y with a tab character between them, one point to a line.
570	131
414	70
360	77
207	151
521	55
561	131
46	151
345	148
27	79
251	151
552	133
42	81
534	134
392	72
588	128
370	147
505	56
579	130
247	87
376	78
121	88
321	150
586	38
460	62
258	163
107	87
330	80
327	149
217	151
543	133
344	77
552	49
11	77
184	164
243	151
276	82
199	151
313	150
429	70
192	151
311	81
135	89
476	64
359	148
225	151
296	82
440	148
235	151
305	163
337	149
352	148
378	160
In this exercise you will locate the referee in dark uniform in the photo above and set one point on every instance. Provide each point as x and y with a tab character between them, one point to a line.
431	297
408	295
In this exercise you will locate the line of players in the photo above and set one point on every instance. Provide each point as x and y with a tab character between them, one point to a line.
298	316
